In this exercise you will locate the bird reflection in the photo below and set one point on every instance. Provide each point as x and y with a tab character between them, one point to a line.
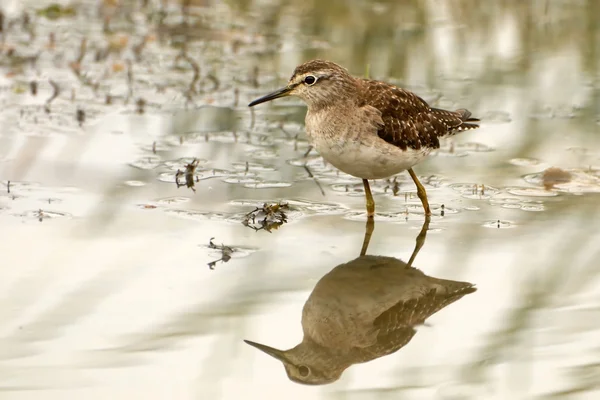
364	309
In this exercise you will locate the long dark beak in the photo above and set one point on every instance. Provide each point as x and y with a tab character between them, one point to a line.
272	96
275	353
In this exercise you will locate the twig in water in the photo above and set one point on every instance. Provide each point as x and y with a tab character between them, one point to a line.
236	97
138	48
314	179
140	106
80	116
196	68
308	151
215	82
55	93
129	80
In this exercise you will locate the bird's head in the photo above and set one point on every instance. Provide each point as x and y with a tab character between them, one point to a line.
305	364
319	83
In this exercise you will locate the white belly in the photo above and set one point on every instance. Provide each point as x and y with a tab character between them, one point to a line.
375	160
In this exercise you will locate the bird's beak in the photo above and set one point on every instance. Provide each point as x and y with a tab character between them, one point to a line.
275	353
272	96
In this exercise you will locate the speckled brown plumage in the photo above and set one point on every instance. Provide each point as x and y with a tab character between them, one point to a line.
408	120
316	65
366	128
396	326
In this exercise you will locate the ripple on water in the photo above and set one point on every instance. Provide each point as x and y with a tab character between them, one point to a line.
574	181
244	180
451	149
156	146
315	163
303	206
474	191
264	154
197	215
234	251
42	215
252	166
524	162
181	163
146	162
21	185
167	201
530	191
498	224
267	185
533	207
135	183
398	186
199	175
400	216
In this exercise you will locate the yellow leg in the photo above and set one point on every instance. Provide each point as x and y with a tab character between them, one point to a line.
420	192
370	201
420	241
369	228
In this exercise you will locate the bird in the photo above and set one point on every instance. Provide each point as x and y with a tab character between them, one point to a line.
368	128
367	308
361	310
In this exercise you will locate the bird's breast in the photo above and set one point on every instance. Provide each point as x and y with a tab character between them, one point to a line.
351	144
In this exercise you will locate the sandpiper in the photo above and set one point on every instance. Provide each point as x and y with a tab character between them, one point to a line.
368	128
367	308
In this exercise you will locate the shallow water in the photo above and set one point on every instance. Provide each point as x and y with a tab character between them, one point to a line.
111	287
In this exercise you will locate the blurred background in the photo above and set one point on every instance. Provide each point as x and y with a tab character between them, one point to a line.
118	279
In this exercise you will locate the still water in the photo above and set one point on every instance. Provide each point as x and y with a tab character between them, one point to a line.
117	282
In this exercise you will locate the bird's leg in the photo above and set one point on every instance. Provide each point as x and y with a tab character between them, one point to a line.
370	201
369	228
420	192
420	240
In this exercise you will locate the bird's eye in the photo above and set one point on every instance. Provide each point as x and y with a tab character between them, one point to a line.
304	371
310	80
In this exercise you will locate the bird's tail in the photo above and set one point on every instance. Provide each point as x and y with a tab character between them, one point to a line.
465	116
459	120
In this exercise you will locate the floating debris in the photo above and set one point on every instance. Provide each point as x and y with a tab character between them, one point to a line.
267	217
188	174
226	253
553	176
553	181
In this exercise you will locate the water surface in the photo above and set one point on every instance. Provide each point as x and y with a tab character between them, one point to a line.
106	286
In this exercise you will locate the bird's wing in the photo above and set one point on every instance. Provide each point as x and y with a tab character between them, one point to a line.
397	325
408	121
